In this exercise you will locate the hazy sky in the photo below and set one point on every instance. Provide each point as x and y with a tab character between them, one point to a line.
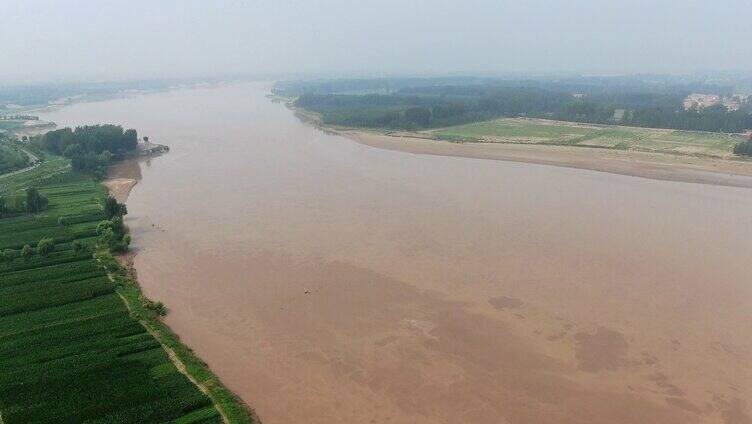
100	39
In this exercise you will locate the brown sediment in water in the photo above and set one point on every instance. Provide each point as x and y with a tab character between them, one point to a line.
504	302
604	350
326	281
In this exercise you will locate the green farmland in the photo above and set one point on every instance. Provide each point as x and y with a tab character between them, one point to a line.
78	343
535	131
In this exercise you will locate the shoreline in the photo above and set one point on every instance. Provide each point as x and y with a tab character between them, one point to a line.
120	188
121	178
632	163
656	166
259	337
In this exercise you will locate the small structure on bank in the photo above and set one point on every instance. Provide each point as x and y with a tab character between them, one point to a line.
147	148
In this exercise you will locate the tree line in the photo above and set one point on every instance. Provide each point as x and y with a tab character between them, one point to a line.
92	147
714	118
437	106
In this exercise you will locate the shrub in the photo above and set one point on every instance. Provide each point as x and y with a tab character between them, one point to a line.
9	255
45	246
743	148
157	307
27	252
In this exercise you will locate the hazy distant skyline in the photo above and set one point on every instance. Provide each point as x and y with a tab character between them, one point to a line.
110	40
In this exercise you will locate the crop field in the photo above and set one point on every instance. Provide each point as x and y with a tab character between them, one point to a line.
52	169
536	131
70	350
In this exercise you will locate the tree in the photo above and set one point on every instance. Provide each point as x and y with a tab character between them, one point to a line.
114	224
129	140
92	139
113	241
45	246
112	234
107	237
112	208
74	150
35	201
418	115
27	252
105	157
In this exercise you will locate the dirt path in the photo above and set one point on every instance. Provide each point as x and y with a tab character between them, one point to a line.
173	357
33	159
183	370
33	162
177	362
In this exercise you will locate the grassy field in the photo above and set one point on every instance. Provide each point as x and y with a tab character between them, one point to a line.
78	342
537	131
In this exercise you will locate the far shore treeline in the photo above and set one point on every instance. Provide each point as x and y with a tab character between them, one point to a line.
91	147
412	104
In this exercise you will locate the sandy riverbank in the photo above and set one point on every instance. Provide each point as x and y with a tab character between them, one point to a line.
121	178
658	166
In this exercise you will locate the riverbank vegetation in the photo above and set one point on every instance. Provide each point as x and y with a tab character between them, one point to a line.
627	101
90	148
11	157
78	341
620	113
22	99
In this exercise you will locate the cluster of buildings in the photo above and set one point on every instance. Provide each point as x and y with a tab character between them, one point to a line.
700	101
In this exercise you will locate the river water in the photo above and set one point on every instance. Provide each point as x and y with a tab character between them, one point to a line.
326	281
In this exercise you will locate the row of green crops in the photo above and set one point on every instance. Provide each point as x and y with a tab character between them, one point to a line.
70	351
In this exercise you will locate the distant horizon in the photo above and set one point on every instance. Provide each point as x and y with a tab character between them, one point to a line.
49	40
503	75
